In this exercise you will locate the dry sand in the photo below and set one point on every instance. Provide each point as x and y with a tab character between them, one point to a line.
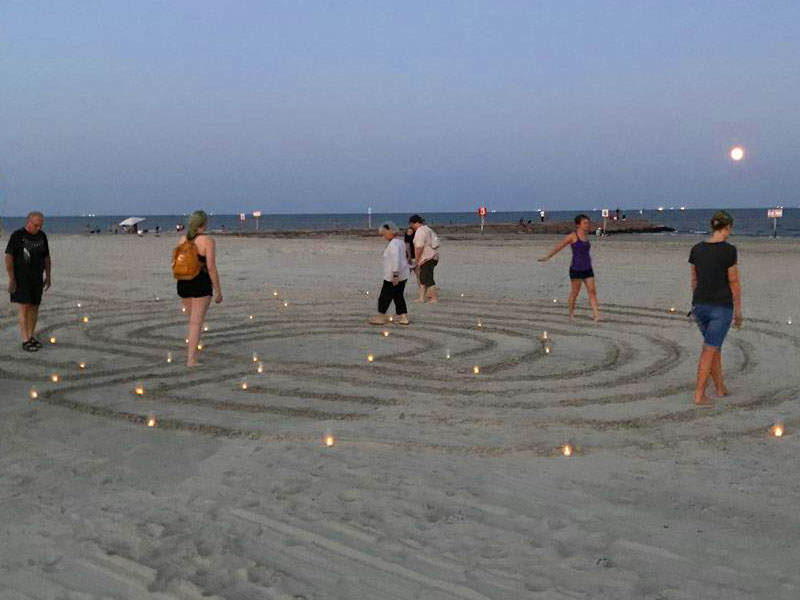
442	485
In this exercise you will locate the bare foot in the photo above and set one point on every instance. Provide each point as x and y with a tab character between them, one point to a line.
571	317
419	300
704	401
193	365
722	392
598	319
434	301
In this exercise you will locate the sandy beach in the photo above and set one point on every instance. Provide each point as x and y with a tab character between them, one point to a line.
442	484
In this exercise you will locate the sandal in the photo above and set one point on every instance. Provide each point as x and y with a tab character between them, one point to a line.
36	343
29	346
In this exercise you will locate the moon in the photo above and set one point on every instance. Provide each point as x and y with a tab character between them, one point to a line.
736	153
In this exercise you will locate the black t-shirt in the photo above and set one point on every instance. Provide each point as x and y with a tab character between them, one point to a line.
29	251
711	263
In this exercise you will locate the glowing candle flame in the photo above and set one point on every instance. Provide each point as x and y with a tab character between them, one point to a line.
480	323
737	153
52	340
547	349
79	305
367	292
183	309
199	346
33	394
544	335
447	354
255	357
385	333
260	368
169	357
205	328
285	304
566	450
55	378
777	430
329	440
476	369
81	365
151	421
244	385
555	300
85	319
370	358
250	317
139	390
672	309
391	319
788	321
462	295
275	293
186	340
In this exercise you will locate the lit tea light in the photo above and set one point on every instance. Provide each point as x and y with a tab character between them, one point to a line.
169	357
55	378
199	346
260	368
329	440
370	357
788	321
183	309
255	357
476	369
391	319
243	385
480	323
158	298
275	293
33	394
52	340
285	304
151	421
567	450
385	333
186	340
85	319
251	317
672	309
79	305
367	292
205	328
544	335
777	430
447	354
547	349
555	300
139	390
81	365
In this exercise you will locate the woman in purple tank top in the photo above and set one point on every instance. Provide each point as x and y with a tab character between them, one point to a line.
581	267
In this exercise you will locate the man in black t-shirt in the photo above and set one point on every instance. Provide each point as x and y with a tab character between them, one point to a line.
28	268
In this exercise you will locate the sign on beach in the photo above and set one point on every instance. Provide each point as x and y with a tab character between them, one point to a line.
605	213
775	213
242	216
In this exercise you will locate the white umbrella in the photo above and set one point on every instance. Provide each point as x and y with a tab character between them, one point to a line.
131	221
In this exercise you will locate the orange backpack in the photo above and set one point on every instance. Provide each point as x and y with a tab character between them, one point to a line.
186	261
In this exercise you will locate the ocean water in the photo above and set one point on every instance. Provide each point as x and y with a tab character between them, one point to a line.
748	221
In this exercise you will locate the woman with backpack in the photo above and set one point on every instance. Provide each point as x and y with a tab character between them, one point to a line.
426	253
194	266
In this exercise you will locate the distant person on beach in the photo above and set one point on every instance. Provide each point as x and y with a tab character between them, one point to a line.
395	275
580	269
426	255
195	253
716	301
28	267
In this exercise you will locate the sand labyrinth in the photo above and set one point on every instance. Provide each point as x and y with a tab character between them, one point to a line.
623	384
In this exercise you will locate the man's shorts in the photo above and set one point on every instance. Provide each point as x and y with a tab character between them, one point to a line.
28	292
426	273
713	322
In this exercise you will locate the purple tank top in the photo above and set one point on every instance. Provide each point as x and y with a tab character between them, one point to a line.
581	261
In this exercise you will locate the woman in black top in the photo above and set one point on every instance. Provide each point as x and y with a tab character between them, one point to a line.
716	301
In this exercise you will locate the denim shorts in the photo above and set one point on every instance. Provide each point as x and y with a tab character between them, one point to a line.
713	322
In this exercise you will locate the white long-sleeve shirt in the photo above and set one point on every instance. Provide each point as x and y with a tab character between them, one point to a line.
395	260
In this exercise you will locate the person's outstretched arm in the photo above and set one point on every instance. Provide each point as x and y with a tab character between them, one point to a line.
568	239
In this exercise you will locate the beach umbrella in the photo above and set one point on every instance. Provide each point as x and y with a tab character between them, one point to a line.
131	221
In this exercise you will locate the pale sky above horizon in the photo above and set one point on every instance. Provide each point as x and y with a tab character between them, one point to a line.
299	106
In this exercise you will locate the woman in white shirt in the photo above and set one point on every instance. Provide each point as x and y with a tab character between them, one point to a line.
395	275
